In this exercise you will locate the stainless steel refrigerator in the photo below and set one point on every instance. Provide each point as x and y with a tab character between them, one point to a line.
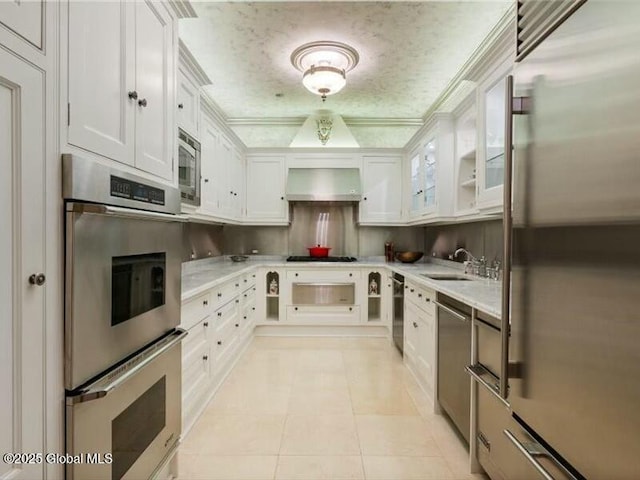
574	349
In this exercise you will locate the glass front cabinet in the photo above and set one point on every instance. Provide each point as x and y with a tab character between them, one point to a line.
491	135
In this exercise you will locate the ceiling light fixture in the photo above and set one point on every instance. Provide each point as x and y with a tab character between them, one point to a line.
324	65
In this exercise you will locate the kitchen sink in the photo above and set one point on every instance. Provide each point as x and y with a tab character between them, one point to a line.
445	276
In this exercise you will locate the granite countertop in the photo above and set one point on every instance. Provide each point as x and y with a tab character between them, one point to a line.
201	275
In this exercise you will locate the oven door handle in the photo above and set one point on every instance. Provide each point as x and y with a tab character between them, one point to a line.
102	388
125	212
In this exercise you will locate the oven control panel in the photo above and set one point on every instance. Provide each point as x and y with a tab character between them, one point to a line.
123	188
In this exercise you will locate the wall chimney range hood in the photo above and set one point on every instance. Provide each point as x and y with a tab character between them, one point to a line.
324	185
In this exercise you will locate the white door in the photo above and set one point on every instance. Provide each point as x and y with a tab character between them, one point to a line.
188	105
382	187
265	188
210	175
24	18
154	83
22	247
101	79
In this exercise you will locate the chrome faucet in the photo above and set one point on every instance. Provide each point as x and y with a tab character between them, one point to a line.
467	252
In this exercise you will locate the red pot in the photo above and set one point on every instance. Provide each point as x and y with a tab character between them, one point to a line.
319	251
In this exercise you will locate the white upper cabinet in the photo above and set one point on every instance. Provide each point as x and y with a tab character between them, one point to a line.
465	160
491	133
188	105
211	176
155	73
101	112
24	19
431	167
121	64
266	203
382	190
237	184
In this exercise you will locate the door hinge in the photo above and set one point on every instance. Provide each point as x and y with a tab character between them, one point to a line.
68	114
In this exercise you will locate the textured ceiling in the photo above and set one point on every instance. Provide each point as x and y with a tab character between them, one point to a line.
409	52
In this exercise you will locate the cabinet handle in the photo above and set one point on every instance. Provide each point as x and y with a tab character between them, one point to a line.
350	309
364	198
411	290
351	274
253	308
219	342
245	295
254	289
205	357
237	285
38	279
428	299
180	106
219	295
296	274
405	287
237	300
219	314
281	198
237	325
205	302
133	95
419	295
235	194
245	280
206	180
415	325
253	276
143	102
244	317
295	308
206	324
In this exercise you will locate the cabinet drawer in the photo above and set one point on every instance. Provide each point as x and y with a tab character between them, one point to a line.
248	296
195	310
225	292
323	315
199	333
195	366
422	297
324	275
248	280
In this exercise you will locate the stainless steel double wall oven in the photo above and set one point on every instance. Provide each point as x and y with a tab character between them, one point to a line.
122	307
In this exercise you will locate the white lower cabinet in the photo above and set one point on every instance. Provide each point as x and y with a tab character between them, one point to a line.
420	335
220	322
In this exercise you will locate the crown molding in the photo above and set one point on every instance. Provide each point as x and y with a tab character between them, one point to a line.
499	44
182	8
188	61
211	108
349	121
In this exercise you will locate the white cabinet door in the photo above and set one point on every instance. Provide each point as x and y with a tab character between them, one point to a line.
154	83
211	176
265	188
425	354
24	18
101	113
224	165
22	246
382	187
188	105
237	179
410	347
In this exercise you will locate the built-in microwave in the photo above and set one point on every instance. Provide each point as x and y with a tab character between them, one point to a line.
189	168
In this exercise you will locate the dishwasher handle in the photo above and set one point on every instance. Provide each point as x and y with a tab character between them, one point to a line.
458	315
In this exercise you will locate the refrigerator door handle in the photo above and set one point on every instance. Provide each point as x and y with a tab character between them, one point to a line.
533	449
513	106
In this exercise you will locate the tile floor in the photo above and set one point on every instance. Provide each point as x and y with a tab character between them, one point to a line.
321	408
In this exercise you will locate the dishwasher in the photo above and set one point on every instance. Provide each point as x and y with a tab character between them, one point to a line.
454	354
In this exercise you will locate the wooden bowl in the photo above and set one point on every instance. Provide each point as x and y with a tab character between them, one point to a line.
409	257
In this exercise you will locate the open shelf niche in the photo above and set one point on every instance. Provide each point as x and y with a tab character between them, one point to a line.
273	296
374	285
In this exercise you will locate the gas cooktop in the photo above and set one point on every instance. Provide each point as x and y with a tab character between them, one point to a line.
296	258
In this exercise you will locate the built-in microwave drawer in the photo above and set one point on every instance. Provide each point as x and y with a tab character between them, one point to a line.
489	343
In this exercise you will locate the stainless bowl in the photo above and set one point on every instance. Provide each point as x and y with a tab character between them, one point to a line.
239	258
409	257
